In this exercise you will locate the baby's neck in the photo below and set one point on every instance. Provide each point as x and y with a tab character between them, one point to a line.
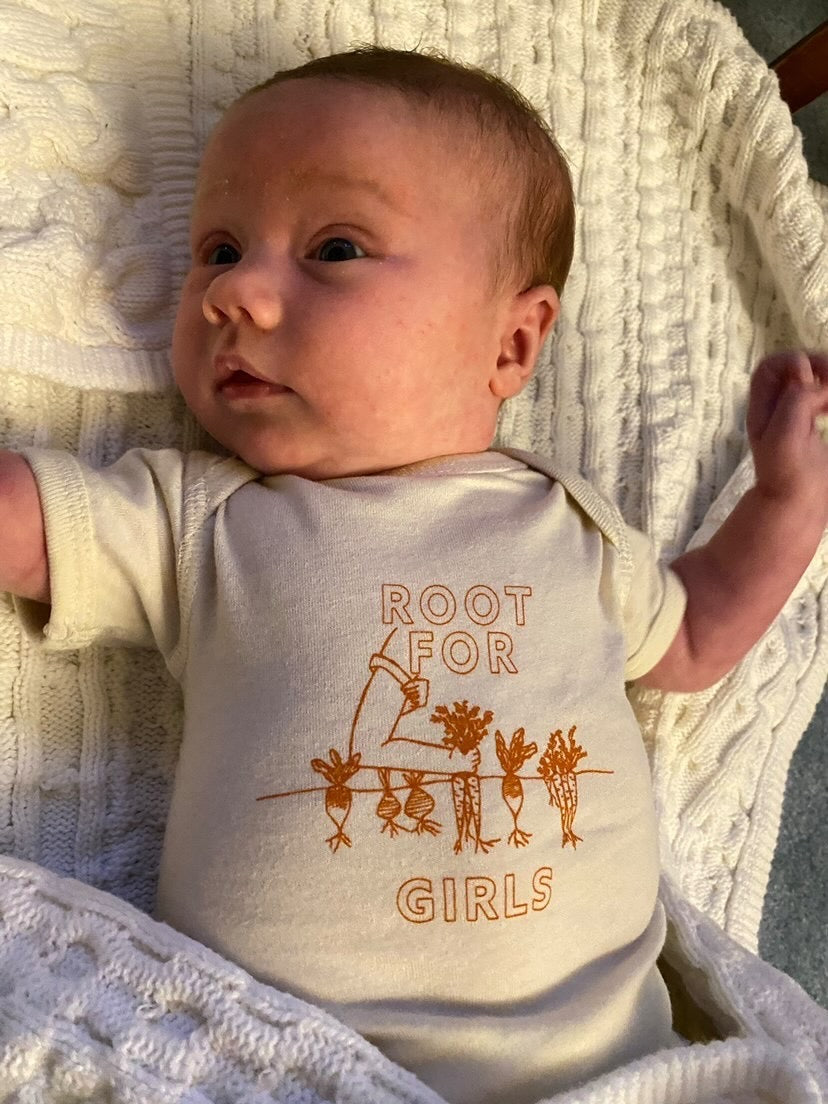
422	465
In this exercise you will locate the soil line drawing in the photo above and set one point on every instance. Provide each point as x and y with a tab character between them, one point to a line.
465	730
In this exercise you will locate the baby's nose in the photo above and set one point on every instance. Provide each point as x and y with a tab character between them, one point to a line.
243	293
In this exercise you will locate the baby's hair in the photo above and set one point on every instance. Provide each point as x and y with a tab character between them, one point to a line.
525	188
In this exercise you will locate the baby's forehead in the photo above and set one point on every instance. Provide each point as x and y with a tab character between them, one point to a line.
387	135
312	166
405	170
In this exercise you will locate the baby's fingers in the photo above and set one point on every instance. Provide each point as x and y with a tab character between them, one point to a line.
768	386
793	421
819	364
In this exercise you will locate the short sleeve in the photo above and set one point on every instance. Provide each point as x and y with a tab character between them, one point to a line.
654	610
112	538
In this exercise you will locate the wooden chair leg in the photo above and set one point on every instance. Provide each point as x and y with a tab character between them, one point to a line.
803	70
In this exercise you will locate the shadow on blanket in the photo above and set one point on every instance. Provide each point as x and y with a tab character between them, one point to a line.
689	1018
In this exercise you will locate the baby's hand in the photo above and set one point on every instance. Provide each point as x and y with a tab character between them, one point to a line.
788	390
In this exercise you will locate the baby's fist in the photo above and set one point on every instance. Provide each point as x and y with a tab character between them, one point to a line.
788	392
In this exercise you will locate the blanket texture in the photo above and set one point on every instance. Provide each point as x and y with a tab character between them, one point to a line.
700	246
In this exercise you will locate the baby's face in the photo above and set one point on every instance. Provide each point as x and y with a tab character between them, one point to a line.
370	312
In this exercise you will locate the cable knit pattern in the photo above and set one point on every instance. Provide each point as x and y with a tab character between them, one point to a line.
99	1002
701	245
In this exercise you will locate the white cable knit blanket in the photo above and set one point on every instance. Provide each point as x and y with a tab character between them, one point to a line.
701	245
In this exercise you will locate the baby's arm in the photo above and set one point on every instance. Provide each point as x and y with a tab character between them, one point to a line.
737	584
739	581
24	565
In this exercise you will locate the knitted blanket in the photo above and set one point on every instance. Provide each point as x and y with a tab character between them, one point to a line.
701	245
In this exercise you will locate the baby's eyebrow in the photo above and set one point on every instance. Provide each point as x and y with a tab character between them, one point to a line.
309	177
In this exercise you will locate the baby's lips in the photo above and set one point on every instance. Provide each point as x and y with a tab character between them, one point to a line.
232	367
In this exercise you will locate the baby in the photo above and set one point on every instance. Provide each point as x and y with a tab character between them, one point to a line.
411	788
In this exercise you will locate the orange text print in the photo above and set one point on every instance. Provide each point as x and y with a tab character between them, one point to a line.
459	651
480	898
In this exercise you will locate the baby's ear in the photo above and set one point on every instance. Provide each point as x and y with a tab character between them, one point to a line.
509	378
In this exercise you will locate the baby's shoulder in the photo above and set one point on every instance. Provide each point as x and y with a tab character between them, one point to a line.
216	477
200	480
600	509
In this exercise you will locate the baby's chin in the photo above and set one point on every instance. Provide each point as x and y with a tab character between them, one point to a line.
341	468
274	461
289	454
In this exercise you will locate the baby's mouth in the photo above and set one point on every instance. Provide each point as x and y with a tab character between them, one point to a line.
242	377
241	383
233	374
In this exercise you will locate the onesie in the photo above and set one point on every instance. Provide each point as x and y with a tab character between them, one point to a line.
411	789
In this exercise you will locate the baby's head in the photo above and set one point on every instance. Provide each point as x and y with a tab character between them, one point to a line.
399	313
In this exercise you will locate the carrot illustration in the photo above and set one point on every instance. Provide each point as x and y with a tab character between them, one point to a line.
557	769
570	780
338	796
389	806
511	788
465	731
419	804
462	813
473	807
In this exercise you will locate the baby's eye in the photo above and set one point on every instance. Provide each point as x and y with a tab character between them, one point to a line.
217	249
338	246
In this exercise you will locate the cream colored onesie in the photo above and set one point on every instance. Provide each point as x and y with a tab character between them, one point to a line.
411	789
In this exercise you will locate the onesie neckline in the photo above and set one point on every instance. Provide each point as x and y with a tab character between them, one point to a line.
461	463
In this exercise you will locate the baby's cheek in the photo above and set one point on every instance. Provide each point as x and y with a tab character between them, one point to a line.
179	324
188	325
